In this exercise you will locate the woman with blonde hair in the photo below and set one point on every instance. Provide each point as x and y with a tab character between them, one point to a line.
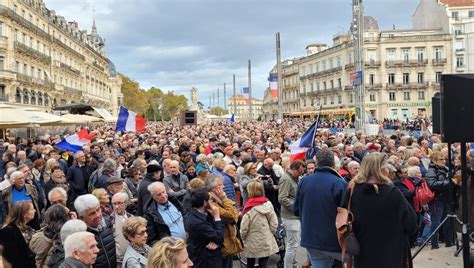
104	200
137	253
169	252
250	173
383	219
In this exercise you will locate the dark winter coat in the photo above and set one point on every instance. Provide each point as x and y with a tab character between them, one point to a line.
156	226
72	263
270	192
78	179
143	193
382	223
57	256
202	230
107	257
15	248
439	182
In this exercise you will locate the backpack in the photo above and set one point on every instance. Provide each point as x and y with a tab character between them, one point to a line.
93	181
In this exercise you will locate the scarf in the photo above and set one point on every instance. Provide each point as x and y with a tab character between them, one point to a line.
144	250
253	202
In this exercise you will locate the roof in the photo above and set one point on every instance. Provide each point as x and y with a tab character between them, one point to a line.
457	3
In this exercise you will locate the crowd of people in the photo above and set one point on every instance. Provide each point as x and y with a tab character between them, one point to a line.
175	196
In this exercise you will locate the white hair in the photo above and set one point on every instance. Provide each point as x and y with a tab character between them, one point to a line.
200	157
413	170
85	202
75	242
120	194
76	154
353	164
70	227
59	190
16	174
151	187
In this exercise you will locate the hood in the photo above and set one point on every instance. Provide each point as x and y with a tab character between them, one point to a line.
264	208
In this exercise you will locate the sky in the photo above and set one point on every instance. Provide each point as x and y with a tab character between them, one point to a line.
180	44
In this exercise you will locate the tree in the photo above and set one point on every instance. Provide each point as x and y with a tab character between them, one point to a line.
134	98
173	105
217	111
154	97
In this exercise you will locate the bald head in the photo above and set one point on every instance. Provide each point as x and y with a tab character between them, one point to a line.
268	163
413	161
174	167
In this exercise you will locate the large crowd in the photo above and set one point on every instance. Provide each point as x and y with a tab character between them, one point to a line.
175	196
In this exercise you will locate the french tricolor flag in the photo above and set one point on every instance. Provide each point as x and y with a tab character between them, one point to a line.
130	121
75	142
299	148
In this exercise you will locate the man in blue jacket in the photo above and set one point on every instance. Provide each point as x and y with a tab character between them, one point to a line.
316	202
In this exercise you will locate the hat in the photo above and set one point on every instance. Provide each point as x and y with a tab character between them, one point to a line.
152	168
200	167
373	146
213	139
113	179
228	148
237	153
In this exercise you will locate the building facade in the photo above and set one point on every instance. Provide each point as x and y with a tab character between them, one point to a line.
454	17
290	88
242	108
46	61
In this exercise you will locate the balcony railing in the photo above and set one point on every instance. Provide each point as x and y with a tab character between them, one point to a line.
32	52
64	46
33	80
373	64
7	12
393	63
416	63
72	91
439	62
70	68
98	66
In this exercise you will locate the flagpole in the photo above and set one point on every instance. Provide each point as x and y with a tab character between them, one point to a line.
235	105
280	93
250	91
225	99
317	124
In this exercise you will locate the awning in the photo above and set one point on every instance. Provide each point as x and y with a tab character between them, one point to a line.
80	118
105	114
42	118
14	117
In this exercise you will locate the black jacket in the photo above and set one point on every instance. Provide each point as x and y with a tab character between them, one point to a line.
57	256
439	182
72	263
78	179
407	193
143	193
156	226
202	230
107	257
15	248
270	193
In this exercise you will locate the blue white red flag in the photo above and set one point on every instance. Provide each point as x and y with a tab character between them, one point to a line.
130	121
245	90
75	142
356	78
299	148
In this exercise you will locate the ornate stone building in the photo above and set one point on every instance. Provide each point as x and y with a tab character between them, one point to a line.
241	104
46	61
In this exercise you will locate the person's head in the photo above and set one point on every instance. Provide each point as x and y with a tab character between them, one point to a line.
353	168
218	164
158	192
297	168
230	170
438	159
81	246
140	164
115	185
21	213
57	173
102	195
268	163
389	170
191	169
21	155
169	252
199	198
12	148
80	157
134	230
371	169
71	227
310	166
18	179
414	172
167	164
325	158
57	195
119	203
349	150
54	218
88	209
195	184
214	182
250	169
109	166
174	167
255	189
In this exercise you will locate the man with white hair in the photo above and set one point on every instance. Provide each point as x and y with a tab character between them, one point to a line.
163	214
118	217
353	168
57	195
88	210
176	183
57	252
80	250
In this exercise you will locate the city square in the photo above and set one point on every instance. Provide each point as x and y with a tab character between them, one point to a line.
236	134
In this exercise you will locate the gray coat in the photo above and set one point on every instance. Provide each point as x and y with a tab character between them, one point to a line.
178	185
133	259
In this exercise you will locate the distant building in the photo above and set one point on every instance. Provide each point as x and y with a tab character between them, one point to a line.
46	61
241	104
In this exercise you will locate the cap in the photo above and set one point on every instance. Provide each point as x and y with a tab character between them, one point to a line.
152	168
373	146
237	153
200	167
114	179
228	149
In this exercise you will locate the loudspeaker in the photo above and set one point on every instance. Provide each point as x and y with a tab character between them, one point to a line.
457	107
436	113
188	118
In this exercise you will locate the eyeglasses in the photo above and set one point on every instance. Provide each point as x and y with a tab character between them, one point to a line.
142	233
59	201
118	203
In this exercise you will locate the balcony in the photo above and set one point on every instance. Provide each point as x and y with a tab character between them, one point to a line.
64	46
373	64
439	62
7	12
32	52
33	80
70	68
3	42
460	51
459	35
7	75
349	66
393	63
461	68
96	65
375	86
72	91
418	63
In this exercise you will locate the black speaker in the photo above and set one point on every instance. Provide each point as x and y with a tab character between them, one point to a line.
189	118
457	107
436	113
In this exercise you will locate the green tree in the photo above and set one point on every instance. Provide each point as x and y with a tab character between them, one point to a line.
217	111
154	97
173	105
133	97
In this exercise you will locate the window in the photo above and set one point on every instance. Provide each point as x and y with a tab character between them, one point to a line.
317	86
406	78
438	54
391	96
304	88
31	41
15	7
471	13
406	96
17	68
332	99
371	55
312	88
372	97
350	58
459	61
339	99
421	78
32	73
325	100
406	55
31	18
25	69
351	98
455	15
323	65
391	79
338	62
2	59
331	64
339	83
15	36
24	39
391	55
325	86
420	54
438	77
304	102
372	79
332	83
421	95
